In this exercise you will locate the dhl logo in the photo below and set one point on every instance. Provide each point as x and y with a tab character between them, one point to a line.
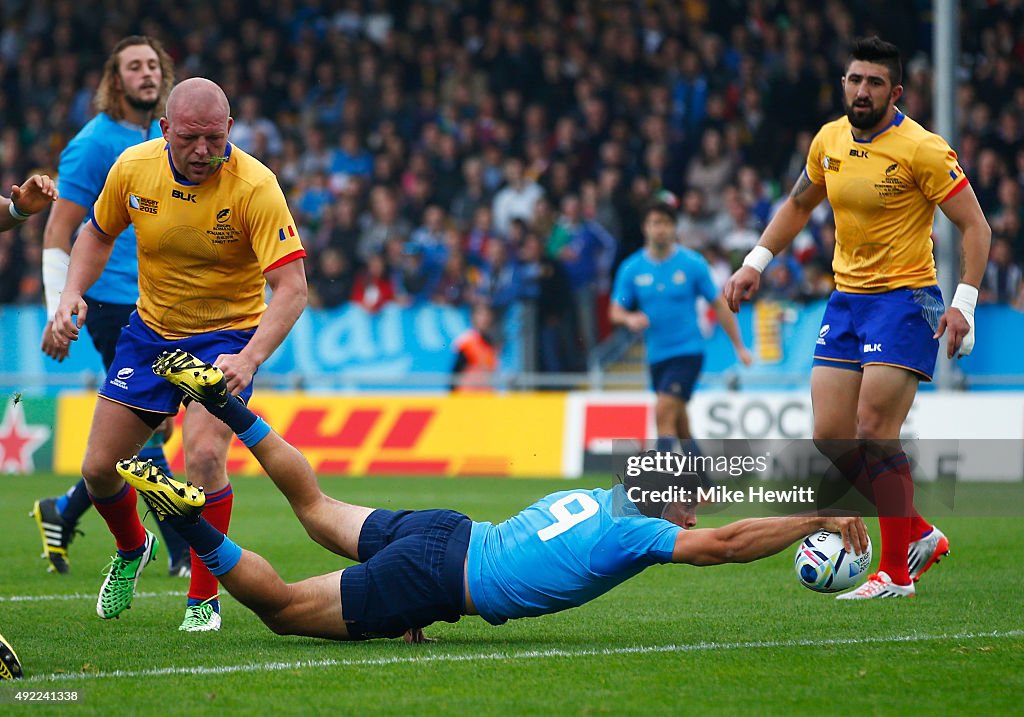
468	435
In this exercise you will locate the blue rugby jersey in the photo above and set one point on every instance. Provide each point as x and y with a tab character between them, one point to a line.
83	169
667	292
564	550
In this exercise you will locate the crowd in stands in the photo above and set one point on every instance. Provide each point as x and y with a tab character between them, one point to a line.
501	150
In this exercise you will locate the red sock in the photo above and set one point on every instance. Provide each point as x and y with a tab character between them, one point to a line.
849	459
218	513
918	526
894	498
122	516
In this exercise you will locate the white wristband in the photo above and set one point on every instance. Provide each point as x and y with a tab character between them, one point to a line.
965	298
758	258
18	215
55	275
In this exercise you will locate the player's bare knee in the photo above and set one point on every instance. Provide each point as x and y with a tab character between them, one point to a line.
99	473
205	465
872	423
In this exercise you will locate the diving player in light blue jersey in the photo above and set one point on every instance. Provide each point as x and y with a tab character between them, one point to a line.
419	567
656	291
136	79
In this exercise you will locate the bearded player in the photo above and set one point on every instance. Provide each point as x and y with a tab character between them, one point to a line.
883	174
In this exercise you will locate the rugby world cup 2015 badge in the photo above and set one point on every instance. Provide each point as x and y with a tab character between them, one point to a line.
831	164
143	204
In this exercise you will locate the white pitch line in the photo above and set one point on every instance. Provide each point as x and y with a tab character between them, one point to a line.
524	655
76	596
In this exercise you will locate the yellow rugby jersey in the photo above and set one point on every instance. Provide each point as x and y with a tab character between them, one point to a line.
203	248
883	192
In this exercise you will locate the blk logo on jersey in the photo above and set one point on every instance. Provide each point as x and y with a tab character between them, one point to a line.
860	153
872	348
281	233
183	196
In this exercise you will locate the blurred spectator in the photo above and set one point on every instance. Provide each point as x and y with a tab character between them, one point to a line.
340	229
498	285
782	279
744	230
332	281
586	250
516	199
711	169
556	311
349	160
250	122
453	285
481	234
472	196
476	355
415	280
429	237
381	223
1008	219
372	287
1002	282
314	198
696	226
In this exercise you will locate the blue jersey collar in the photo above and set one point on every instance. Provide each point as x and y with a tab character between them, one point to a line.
896	122
647	255
180	178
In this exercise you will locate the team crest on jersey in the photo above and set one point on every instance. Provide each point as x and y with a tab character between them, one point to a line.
831	164
222	232
143	204
679	277
891	169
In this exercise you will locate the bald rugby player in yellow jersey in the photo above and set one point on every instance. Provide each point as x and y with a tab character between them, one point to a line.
884	175
213	231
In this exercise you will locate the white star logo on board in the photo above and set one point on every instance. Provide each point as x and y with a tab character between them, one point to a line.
19	440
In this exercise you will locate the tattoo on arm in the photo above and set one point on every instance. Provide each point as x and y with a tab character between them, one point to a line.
803	183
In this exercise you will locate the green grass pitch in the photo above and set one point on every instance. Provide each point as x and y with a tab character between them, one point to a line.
737	639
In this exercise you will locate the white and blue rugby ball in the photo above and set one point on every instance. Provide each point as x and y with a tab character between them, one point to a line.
823	564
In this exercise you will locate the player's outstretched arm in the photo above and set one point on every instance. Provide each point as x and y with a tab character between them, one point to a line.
65	217
781	230
755	538
965	212
31	197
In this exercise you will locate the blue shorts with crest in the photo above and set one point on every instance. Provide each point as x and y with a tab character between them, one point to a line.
894	328
130	379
